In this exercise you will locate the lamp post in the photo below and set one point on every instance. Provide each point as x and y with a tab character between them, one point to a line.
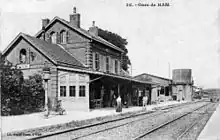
46	77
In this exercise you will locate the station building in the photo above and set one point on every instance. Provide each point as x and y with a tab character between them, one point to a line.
85	69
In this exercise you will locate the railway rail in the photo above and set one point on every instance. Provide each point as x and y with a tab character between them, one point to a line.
107	122
169	122
200	122
125	121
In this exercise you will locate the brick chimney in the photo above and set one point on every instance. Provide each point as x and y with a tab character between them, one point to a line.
45	22
94	29
75	18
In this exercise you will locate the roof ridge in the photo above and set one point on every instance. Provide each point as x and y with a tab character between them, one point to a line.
84	32
153	76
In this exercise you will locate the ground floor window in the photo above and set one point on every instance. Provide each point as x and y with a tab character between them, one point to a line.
82	91
62	91
72	91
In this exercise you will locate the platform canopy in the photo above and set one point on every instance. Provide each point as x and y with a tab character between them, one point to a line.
121	79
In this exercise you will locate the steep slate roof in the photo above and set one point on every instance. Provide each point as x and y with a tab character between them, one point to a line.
54	52
83	32
59	54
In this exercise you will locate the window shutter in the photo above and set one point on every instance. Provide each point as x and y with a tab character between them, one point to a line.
101	62
110	65
93	60
113	66
58	38
104	63
98	62
119	67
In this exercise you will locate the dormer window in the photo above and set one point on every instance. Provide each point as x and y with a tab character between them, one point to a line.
23	56
53	37
63	37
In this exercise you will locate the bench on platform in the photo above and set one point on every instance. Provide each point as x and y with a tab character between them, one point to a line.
97	103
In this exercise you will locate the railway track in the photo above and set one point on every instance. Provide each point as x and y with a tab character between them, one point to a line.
142	115
192	131
127	128
157	131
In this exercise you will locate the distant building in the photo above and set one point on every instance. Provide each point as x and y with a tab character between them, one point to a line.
160	92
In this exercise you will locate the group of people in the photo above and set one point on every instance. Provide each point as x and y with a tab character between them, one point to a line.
119	104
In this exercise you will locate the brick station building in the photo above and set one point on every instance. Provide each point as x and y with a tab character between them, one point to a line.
85	69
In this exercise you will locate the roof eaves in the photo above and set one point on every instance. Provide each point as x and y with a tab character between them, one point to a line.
103	41
11	43
61	63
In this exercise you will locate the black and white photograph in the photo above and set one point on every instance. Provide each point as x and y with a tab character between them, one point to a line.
110	69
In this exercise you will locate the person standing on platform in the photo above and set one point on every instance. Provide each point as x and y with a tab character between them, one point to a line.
145	100
119	106
112	98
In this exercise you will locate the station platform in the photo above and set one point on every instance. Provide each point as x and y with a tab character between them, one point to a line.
35	120
212	129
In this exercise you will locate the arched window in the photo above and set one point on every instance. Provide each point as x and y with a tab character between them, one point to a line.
63	36
23	56
53	37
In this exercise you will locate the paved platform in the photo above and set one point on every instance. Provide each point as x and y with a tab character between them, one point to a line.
21	122
212	129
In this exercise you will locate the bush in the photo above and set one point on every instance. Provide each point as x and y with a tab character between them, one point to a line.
11	87
19	95
33	94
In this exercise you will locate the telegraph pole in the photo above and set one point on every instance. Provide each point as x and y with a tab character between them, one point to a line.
169	69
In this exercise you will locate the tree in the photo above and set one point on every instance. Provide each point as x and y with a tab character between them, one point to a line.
117	40
19	95
11	89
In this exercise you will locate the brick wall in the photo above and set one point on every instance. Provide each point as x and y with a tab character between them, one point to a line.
104	52
14	55
57	27
78	50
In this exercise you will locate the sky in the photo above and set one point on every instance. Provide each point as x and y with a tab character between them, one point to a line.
185	34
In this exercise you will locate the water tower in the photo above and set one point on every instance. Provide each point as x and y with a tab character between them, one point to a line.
182	84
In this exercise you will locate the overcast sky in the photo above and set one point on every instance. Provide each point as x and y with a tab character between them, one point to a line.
186	34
